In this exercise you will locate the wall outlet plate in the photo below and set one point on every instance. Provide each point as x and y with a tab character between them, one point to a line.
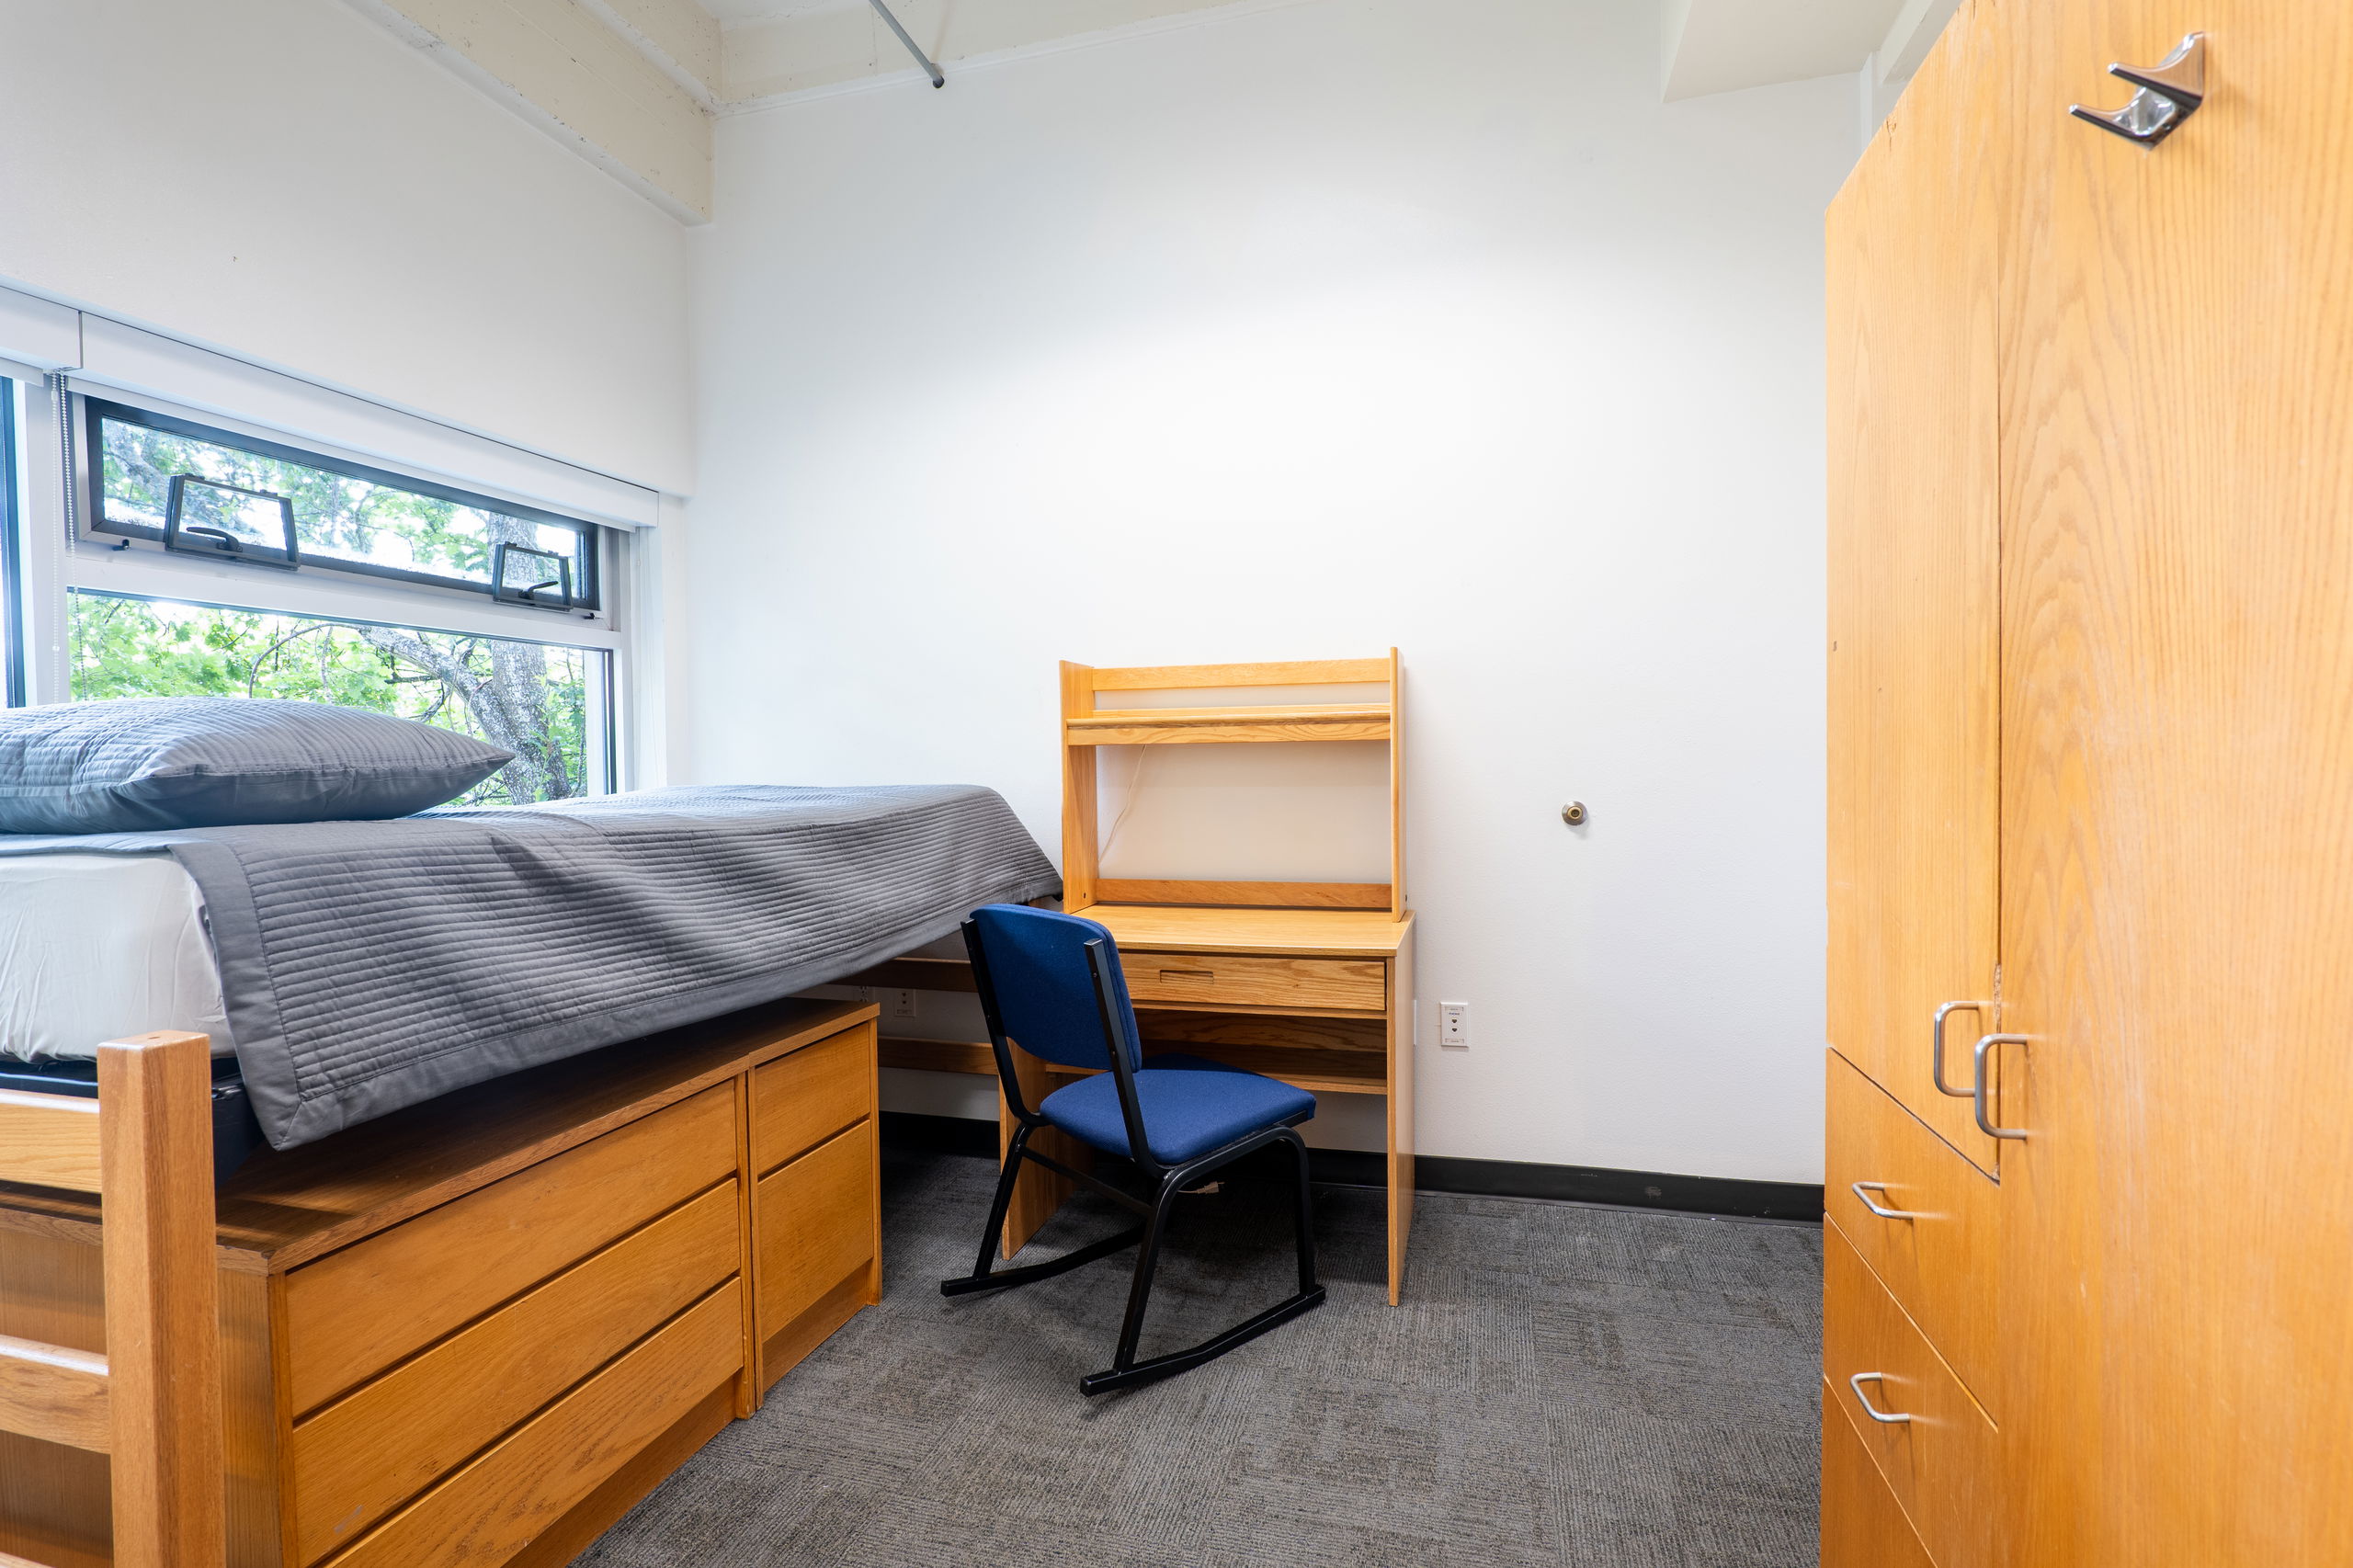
903	1005
1454	1026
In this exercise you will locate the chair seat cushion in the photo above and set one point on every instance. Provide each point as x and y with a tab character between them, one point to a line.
1191	1106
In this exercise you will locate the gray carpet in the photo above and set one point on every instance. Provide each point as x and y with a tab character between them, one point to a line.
1564	1385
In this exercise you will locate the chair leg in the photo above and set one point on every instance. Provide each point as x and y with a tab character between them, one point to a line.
1304	1218
1126	1371
983	1279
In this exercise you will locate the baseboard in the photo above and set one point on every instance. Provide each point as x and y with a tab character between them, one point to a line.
1726	1196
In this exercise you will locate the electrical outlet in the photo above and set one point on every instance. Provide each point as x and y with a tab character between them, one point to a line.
903	1003
1454	1025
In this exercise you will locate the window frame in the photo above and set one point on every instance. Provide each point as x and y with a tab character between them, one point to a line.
93	521
14	650
60	554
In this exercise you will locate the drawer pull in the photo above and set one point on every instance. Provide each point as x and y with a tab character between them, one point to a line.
1863	1190
1885	1418
1936	1043
1984	1124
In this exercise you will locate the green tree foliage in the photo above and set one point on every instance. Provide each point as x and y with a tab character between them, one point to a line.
530	698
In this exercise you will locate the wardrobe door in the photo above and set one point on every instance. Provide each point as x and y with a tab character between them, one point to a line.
1914	852
2177	801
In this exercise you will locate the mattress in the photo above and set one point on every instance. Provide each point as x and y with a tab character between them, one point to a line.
95	947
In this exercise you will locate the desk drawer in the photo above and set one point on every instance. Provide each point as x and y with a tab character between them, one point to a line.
494	1506
356	1312
1943	1465
799	1101
1215	980
814	1221
363	1456
1942	1264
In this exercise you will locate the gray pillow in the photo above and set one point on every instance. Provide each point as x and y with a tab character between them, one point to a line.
162	762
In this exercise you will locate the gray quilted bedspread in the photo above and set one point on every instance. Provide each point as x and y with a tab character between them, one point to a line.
369	965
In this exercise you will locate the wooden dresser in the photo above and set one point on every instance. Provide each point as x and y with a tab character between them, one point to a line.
2091	560
476	1331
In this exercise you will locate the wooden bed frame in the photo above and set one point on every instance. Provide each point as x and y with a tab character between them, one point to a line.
475	1331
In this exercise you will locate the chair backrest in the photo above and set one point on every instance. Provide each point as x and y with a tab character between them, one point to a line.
1038	986
151	1403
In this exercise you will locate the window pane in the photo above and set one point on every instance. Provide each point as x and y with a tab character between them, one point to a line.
336	517
12	601
528	698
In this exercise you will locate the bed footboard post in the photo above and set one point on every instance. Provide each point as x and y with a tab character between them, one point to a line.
162	1301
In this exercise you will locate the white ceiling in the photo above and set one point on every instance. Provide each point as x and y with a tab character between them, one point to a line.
1720	46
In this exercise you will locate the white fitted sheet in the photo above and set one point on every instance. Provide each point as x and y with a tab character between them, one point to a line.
94	948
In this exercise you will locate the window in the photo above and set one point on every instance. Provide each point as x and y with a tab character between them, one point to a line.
541	702
207	562
207	491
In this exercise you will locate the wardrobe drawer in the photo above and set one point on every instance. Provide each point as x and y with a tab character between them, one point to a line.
1942	1463
799	1101
358	1458
1862	1524
356	1312
814	1221
1224	980
1941	1260
495	1505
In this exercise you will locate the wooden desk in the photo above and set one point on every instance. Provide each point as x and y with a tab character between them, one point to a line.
1322	998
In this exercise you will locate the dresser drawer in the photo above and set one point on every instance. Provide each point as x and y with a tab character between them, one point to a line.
1862	1524
497	1505
1942	1262
1941	1464
356	1312
814	1223
360	1458
1211	980
799	1101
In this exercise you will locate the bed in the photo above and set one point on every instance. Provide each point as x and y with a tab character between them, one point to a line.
563	1174
354	968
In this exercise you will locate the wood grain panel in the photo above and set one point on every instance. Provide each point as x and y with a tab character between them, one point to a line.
2179	746
1944	1465
1282	933
1212	677
49	1141
1187	1030
493	1508
356	1312
1862	1524
1245	896
1914	463
799	1101
1231	732
814	1223
1942	1262
360	1458
601	1509
1213	980
55	1394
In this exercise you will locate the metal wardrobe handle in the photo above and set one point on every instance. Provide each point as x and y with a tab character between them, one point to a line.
2171	91
1863	1190
1936	1042
1885	1418
1984	1123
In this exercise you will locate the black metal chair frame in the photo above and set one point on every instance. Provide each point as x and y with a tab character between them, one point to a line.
1169	1181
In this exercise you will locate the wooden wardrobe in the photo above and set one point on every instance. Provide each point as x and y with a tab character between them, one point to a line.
2090	653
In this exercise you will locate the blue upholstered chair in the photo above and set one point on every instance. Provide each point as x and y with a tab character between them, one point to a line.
1054	984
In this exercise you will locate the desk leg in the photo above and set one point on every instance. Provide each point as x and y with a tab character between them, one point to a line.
1402	1007
1039	1192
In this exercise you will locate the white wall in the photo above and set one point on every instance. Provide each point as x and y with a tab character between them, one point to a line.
1297	332
284	181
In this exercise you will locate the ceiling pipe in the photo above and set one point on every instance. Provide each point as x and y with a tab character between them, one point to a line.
922	59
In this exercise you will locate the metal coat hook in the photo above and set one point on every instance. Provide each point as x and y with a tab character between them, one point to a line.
2171	91
930	68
